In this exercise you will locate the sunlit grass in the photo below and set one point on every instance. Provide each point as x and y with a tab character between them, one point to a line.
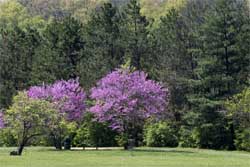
141	157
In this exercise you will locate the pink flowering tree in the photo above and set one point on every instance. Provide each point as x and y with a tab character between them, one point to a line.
1	120
126	99
67	96
69	99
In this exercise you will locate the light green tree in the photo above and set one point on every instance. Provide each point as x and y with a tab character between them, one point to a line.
238	111
13	14
28	118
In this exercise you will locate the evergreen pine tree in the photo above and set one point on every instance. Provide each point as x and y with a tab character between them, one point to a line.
103	44
61	50
135	34
222	70
17	49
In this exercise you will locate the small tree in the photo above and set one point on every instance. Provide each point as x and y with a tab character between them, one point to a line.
69	100
27	118
125	99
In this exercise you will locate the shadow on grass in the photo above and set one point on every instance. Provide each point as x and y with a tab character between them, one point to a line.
150	150
146	150
90	150
162	150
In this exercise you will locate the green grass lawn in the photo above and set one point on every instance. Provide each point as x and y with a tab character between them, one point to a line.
142	157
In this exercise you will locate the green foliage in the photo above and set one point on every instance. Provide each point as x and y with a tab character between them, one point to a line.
7	138
196	131
58	130
240	103
155	9
14	14
198	48
27	118
17	49
174	63
94	134
19	37
215	136
104	45
161	134
135	34
187	137
59	9
239	114
82	137
59	54
242	139
221	71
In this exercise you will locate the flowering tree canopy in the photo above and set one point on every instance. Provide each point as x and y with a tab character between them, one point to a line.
67	96
124	97
1	120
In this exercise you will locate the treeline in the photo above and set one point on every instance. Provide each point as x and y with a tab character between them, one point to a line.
200	50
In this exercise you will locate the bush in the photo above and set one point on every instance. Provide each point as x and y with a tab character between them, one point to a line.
213	136
188	132
239	113
94	134
7	138
200	130
161	134
242	141
187	137
82	138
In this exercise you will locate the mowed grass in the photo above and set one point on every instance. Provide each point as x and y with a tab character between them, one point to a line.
141	157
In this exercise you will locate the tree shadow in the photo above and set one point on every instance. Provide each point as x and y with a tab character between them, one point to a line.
148	150
99	149
163	150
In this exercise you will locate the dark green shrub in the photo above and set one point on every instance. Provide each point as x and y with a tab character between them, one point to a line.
213	136
94	134
160	134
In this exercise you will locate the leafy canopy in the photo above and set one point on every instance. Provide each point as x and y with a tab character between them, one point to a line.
28	118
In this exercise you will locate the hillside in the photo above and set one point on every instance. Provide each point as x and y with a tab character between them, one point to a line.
81	8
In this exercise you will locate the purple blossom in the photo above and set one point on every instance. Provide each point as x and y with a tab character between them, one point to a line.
1	120
68	97
124	97
39	92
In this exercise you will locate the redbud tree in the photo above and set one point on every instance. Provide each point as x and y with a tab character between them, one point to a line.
1	120
69	99
126	99
67	96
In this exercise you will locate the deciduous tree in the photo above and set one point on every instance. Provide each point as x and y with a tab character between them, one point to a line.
28	118
69	100
126	99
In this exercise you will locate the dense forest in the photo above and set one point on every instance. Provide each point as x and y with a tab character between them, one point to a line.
199	49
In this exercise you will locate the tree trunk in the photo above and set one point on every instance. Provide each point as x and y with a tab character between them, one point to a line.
57	143
125	146
20	149
232	144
